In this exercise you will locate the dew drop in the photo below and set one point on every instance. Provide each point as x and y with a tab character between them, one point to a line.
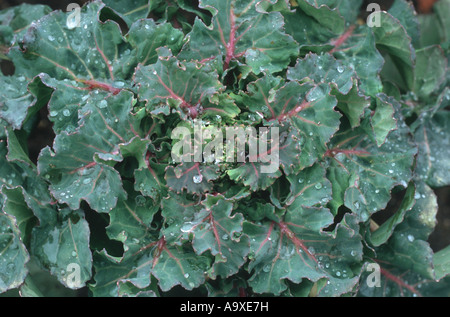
103	104
87	181
140	200
186	275
66	112
318	186
410	238
340	69
10	267
197	179
51	38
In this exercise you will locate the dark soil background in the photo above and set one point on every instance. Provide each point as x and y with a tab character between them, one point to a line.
44	136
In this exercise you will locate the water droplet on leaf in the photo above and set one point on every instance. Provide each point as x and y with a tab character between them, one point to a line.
102	104
197	179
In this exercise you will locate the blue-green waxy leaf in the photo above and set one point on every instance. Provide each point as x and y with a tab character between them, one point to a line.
357	48
195	178
13	252
211	228
89	52
405	12
146	37
240	31
18	99
391	38
78	166
406	261
16	20
131	220
307	108
432	162
131	11
325	12
172	84
297	248
383	233
382	120
307	188
365	173
323	69
63	247
170	265
441	263
318	149
429	73
150	180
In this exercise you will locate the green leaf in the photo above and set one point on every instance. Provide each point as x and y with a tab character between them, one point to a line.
309	33
308	109
78	166
131	11
146	37
172	84
406	14
382	119
170	265
325	12
92	53
357	48
430	71
323	69
353	105
366	172
382	234
211	228
308	188
441	263
13	253
194	177
432	162
63	248
18	99
297	248
238	30
131	219
150	180
17	19
391	38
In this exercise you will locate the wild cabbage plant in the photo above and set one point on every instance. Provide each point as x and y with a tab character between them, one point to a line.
224	148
